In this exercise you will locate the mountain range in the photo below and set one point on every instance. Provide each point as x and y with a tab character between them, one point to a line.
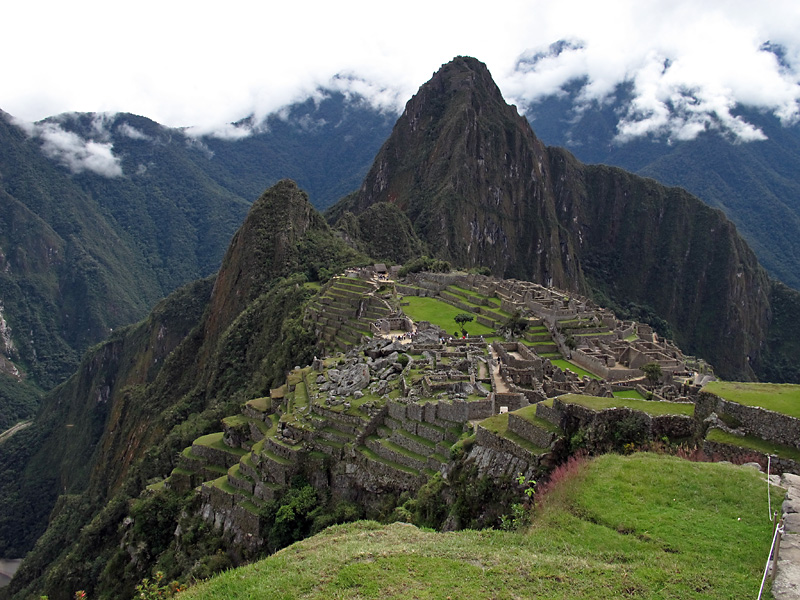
462	177
104	215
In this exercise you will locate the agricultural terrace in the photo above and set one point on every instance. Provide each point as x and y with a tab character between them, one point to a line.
783	398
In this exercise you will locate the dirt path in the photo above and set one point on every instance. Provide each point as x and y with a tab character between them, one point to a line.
11	431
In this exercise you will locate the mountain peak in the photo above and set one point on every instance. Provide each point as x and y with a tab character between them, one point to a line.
454	164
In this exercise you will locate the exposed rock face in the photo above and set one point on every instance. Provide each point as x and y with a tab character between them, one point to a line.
471	175
482	190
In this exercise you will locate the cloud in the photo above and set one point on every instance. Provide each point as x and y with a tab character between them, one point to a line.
688	67
72	151
222	131
130	131
687	63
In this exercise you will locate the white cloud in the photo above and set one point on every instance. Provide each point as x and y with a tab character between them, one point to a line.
689	65
72	151
130	131
206	65
223	131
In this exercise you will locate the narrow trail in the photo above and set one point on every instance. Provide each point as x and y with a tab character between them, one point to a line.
12	430
499	382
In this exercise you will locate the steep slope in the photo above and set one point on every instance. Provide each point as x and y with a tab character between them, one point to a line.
481	189
146	393
326	144
754	183
68	275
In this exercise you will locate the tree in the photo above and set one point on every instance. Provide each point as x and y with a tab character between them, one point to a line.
462	319
570	343
652	371
516	324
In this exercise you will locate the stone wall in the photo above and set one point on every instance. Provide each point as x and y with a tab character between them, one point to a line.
226	513
528	431
215	456
480	409
512	400
489	439
374	477
498	464
760	422
737	454
603	424
598	367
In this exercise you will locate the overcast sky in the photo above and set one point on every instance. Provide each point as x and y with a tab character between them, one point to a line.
204	64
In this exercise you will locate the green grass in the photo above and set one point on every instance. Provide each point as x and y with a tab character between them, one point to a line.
442	314
628	394
754	443
235	420
642	526
214	440
779	397
565	365
260	404
652	408
497	424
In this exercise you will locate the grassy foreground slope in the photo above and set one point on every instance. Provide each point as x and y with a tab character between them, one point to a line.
643	526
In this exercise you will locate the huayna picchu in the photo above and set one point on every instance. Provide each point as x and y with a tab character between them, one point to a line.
529	308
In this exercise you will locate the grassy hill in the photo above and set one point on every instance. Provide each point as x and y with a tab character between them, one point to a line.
643	526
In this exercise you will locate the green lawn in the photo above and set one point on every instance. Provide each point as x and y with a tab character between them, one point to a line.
529	414
628	394
779	397
642	526
652	408
214	440
442	314
566	365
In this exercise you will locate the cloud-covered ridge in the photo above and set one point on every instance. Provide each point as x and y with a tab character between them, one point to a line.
686	68
72	151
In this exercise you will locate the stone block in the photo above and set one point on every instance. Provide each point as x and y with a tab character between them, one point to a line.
791	523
